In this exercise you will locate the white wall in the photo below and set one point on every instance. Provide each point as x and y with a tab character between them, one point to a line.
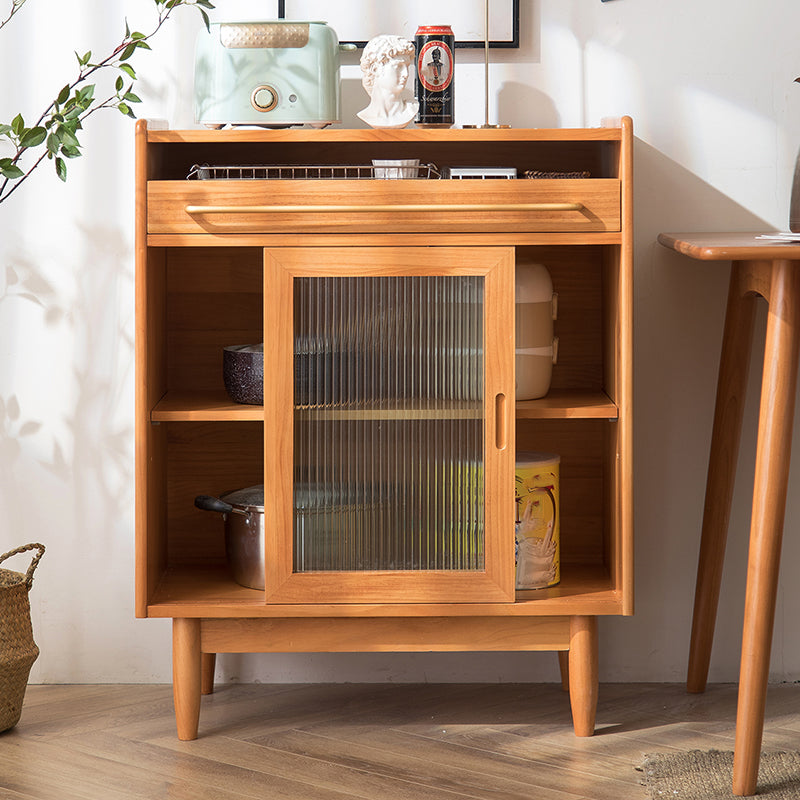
709	86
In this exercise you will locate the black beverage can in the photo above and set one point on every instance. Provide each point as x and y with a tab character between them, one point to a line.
435	62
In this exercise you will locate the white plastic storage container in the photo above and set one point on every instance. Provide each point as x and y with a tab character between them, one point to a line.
536	346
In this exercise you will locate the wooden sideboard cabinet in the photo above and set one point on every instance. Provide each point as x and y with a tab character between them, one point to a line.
395	299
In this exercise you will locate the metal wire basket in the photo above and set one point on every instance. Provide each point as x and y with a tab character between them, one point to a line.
206	172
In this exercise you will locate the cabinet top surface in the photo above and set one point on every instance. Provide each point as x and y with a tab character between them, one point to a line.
330	135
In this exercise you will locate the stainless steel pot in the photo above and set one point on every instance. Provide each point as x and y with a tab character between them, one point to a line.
243	512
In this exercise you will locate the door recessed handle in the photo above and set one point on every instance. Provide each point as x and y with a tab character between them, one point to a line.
500	422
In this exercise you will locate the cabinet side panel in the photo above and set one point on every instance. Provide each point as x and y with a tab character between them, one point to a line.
150	386
618	291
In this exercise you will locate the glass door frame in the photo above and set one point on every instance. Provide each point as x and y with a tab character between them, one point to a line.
494	583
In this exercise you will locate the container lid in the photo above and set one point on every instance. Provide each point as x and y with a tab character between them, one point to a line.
245	348
532	284
533	459
252	497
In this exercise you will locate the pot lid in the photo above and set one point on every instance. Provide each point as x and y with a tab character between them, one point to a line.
252	497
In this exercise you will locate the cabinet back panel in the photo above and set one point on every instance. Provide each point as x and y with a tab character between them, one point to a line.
580	443
596	157
207	458
214	299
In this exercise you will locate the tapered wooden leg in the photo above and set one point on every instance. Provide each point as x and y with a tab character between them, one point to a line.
773	453
563	667
186	672
583	673
207	665
731	389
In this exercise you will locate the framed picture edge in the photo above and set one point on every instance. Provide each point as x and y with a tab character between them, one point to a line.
511	43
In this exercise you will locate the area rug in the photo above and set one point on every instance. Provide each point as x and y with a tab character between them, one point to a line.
707	775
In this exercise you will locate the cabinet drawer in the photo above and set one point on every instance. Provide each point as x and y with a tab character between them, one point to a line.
398	206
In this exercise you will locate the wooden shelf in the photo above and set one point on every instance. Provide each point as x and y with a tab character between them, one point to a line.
568	404
204	407
208	591
216	407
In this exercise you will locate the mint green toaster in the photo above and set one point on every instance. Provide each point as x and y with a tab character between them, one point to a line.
272	74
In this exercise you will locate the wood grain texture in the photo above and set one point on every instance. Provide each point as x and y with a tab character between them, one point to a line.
346	741
381	634
729	246
231	207
759	269
773	455
723	459
199	287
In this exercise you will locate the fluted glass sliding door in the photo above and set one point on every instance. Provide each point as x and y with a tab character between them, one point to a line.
392	422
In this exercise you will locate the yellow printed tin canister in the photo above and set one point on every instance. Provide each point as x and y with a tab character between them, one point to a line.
537	520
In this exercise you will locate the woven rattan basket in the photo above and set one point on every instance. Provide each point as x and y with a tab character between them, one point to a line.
18	651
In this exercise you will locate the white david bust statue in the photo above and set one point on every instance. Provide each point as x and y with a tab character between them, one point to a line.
385	68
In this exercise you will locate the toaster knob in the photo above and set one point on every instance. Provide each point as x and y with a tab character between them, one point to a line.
264	98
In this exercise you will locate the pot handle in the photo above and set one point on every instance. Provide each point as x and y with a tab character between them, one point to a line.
35	563
208	503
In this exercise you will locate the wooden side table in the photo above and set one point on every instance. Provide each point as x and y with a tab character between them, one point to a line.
770	270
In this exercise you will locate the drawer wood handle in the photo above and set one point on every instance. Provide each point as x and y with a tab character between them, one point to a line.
349	209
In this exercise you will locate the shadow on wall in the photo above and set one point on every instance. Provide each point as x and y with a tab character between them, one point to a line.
679	308
66	432
522	106
24	283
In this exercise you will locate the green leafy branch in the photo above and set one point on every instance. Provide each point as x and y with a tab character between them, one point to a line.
15	6
54	135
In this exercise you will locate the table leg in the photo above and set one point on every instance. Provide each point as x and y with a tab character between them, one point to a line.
563	668
583	673
731	389
773	453
186	676
207	666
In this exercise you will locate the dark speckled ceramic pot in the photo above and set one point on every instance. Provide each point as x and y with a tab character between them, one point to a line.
243	373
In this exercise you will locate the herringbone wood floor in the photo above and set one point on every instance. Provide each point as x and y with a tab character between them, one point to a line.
376	742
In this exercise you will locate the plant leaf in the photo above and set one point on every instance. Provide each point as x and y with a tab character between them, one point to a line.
33	137
67	136
61	169
86	94
12	172
128	70
17	125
